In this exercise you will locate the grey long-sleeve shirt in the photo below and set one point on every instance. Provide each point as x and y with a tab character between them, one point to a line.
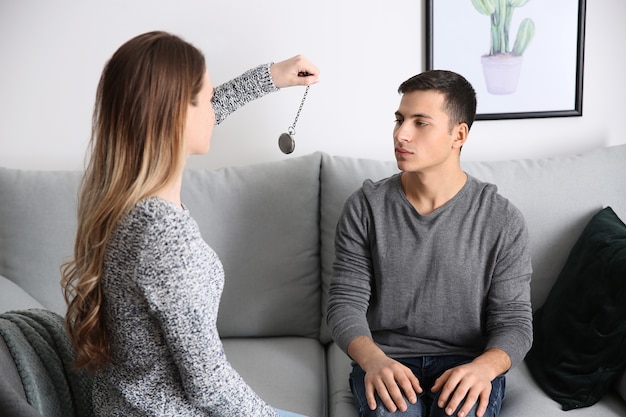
162	285
453	282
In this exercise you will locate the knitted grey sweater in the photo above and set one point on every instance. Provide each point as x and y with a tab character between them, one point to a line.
162	285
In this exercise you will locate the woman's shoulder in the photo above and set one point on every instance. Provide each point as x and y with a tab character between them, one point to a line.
154	217
156	210
157	207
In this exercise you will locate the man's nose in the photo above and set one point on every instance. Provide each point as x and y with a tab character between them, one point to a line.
401	134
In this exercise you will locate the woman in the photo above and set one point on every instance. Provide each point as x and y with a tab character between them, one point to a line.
143	288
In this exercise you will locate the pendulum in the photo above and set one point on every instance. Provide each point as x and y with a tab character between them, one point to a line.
286	143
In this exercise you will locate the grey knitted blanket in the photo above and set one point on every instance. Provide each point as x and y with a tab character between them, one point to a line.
43	356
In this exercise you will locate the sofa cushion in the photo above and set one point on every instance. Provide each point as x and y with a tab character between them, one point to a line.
263	222
340	398
287	372
37	227
523	397
580	332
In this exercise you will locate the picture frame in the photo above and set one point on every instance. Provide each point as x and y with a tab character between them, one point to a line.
527	66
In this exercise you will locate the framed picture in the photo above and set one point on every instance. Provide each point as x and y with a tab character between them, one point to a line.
523	57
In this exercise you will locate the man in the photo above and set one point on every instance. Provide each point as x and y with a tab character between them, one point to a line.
430	294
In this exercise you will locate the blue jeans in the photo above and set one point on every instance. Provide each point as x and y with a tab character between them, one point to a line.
427	369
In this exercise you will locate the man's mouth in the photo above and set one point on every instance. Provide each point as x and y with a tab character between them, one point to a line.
403	151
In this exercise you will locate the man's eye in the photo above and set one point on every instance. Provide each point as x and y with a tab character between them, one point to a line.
397	122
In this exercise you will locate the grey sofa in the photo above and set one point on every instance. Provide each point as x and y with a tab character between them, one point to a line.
272	225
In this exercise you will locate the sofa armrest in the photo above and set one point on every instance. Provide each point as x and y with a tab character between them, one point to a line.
13	297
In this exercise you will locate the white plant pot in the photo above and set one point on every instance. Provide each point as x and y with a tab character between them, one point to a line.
501	72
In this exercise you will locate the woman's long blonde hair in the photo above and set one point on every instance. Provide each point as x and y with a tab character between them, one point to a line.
135	148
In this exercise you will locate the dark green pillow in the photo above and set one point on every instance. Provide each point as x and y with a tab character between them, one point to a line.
579	346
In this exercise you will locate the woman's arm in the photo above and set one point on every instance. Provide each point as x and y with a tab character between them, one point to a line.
257	82
251	85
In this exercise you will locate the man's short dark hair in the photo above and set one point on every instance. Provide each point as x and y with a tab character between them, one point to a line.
459	95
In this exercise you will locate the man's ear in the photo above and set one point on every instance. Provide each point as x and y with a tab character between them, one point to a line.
461	132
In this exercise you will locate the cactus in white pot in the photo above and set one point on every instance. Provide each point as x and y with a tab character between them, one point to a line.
502	64
501	13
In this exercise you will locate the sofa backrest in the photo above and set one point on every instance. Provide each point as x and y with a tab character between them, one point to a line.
264	223
262	220
37	227
557	197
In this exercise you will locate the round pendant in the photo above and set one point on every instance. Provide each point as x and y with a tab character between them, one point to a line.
286	143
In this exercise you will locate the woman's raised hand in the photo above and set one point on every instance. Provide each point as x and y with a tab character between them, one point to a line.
294	71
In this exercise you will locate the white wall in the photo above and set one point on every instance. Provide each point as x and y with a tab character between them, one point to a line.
52	53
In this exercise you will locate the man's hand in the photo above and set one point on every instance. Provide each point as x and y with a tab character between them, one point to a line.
387	378
384	376
471	382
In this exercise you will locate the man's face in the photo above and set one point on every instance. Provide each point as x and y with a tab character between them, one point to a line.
422	137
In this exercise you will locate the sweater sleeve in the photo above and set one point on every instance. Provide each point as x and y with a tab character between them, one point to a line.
509	312
251	85
350	285
177	277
